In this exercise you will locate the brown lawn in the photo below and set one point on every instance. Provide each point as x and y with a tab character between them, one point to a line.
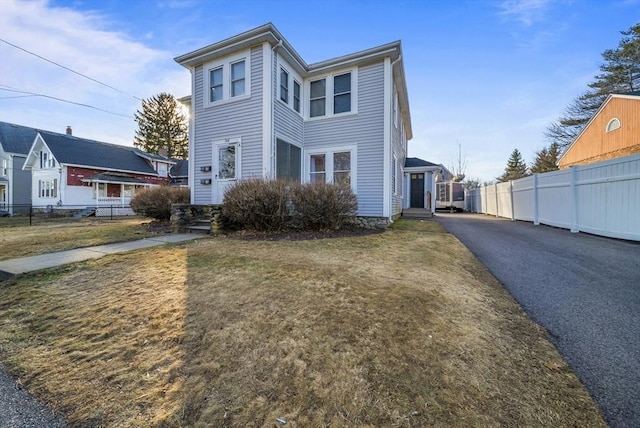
404	328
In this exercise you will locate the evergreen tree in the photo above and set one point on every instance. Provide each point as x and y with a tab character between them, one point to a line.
516	167
162	126
619	73
546	159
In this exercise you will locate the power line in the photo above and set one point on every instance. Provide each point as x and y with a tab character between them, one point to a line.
68	69
34	94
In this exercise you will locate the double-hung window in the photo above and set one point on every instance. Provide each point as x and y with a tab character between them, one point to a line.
215	80
48	188
284	86
342	93
237	78
332	95
5	167
296	96
332	166
318	98
226	79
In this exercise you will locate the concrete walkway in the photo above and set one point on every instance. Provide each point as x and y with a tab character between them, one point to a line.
18	409
9	268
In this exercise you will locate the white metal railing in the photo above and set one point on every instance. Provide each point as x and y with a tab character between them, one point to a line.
601	198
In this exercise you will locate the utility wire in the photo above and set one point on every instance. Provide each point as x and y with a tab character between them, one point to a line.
33	94
68	69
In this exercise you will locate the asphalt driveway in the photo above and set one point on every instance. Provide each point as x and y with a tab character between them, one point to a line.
584	289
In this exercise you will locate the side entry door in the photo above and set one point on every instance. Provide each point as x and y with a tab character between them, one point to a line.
226	171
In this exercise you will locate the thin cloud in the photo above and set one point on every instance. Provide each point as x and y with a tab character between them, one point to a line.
527	12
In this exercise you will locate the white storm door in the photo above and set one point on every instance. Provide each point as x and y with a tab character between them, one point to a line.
226	171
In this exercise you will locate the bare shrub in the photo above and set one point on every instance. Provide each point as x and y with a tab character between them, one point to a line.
277	205
256	204
156	202
321	206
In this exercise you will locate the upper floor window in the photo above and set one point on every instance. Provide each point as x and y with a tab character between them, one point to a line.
162	169
226	79
342	93
5	167
237	78
284	86
318	98
215	79
46	160
296	96
332	95
613	124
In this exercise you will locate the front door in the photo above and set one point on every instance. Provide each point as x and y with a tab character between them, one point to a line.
417	190
225	172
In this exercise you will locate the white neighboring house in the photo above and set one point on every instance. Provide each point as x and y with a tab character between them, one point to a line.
76	173
259	110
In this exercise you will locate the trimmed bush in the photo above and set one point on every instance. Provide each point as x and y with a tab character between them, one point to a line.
276	205
256	204
156	202
322	206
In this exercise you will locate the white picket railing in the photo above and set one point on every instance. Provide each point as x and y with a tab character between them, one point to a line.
601	198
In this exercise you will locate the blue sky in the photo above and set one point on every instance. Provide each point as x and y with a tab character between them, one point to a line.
488	75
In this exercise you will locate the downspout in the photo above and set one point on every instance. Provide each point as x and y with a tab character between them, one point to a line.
272	160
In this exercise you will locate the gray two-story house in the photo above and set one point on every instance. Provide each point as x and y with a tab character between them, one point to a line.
259	110
15	183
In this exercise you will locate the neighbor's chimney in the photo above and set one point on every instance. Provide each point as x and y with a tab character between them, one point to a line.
69	131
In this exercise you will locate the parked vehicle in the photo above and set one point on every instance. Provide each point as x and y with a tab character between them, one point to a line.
450	196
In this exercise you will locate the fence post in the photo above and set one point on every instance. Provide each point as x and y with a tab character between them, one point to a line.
111	212
511	199
536	220
574	199
495	190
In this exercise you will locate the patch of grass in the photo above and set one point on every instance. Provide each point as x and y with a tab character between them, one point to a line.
393	329
20	240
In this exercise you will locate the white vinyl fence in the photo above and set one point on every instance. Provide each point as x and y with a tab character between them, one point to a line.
601	198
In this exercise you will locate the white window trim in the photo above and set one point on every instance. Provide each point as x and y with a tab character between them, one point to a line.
293	97
613	125
225	63
329	94
293	77
288	87
4	170
328	152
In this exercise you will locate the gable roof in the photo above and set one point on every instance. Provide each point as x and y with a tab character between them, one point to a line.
269	33
16	138
635	95
71	150
180	169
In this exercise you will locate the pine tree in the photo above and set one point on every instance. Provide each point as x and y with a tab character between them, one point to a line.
162	127
516	167
546	159
619	73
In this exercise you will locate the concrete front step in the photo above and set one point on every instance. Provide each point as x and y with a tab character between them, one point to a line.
416	213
